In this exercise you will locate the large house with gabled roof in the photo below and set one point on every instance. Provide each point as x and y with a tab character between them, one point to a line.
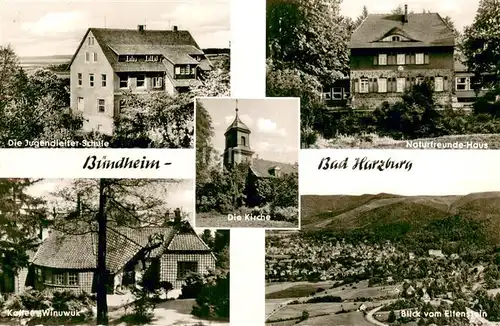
68	261
111	61
392	52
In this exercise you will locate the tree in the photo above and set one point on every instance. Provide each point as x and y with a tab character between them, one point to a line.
204	148
290	82
481	43
310	36
361	17
207	238
21	218
392	317
155	119
215	82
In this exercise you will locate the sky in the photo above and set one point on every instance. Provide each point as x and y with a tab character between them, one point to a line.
462	12
177	195
274	125
42	28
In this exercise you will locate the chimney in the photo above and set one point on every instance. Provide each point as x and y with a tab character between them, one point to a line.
177	215
174	28
141	28
405	16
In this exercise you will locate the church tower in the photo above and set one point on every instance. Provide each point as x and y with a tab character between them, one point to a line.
237	148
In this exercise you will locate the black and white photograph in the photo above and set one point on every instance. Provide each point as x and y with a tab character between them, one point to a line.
109	252
409	74
247	162
119	74
387	259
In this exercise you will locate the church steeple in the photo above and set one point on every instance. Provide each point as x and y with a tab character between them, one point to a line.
237	148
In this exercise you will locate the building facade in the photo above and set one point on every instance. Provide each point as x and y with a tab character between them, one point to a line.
68	262
109	62
390	53
237	150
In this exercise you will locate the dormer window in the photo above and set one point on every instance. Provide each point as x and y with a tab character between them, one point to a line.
275	171
396	38
131	58
152	58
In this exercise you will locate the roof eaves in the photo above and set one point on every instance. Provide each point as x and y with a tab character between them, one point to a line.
79	46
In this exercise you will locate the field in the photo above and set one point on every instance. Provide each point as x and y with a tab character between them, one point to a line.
323	313
375	141
214	220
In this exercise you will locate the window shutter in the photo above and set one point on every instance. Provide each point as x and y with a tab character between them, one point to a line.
375	85
412	59
390	59
407	59
375	60
370	85
445	83
426	59
356	85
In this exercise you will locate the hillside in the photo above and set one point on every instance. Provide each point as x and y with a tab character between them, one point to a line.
395	214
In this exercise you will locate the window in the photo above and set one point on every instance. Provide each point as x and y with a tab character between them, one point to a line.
72	278
327	95
157	82
400	85
131	58
59	278
193	70
87	57
400	59
243	141
382	85
101	105
80	104
91	40
419	58
80	79
141	81
186	267
462	83
438	84
396	38
346	94
124	82
152	58
103	80
47	276
177	70
337	93
95	57
91	80
382	59
363	85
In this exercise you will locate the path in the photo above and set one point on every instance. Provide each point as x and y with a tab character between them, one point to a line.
369	317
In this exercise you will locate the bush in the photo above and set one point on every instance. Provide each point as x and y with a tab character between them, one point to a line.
34	300
326	298
289	214
392	317
305	315
213	299
192	286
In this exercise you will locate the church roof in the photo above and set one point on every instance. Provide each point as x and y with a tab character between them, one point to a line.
238	124
262	168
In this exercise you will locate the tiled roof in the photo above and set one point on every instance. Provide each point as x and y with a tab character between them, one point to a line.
424	29
79	251
261	168
131	41
459	66
187	242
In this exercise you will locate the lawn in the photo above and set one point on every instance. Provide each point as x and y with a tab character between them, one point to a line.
297	291
217	220
374	141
